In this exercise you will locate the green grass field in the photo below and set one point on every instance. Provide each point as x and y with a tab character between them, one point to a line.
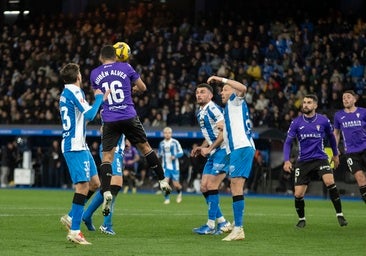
29	225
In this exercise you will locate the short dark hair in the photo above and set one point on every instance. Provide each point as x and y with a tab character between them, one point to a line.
350	92
69	73
204	85
312	96
108	52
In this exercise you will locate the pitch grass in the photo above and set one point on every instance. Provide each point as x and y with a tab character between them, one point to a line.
29	225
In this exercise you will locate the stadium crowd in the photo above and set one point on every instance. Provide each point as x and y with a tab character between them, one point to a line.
281	60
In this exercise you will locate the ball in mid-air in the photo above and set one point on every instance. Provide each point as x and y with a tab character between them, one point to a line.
123	51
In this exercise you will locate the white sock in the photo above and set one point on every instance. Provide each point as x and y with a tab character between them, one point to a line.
211	223
221	219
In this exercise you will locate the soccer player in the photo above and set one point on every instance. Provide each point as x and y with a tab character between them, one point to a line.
75	113
120	117
310	129
116	185
211	121
130	159
170	151
351	121
240	147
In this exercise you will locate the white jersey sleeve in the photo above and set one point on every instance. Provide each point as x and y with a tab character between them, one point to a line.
72	108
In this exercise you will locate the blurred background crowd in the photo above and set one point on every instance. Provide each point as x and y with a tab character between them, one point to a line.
281	59
281	49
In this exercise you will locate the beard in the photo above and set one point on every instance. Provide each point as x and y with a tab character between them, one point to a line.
306	111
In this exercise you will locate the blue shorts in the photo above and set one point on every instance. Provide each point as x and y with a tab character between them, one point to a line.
215	163
239	162
81	165
172	174
117	165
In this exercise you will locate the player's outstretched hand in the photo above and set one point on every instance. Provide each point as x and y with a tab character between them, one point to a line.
164	186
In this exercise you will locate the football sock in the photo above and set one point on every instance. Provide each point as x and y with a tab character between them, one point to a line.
219	214
211	223
89	195
300	206
213	202
115	189
77	209
205	195
238	209
105	176
154	163
93	206
334	196
363	193
108	219
221	219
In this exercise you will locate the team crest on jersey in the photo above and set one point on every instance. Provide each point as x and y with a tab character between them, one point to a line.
318	127
358	115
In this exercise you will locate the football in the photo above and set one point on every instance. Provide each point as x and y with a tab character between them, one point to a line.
123	51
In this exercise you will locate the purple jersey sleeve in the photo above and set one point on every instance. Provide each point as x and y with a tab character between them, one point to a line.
287	148
329	132
291	135
353	128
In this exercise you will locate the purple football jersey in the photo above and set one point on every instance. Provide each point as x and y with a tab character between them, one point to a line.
129	154
117	77
310	133
353	128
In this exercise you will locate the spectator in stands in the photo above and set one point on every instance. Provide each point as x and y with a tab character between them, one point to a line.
158	121
254	70
261	103
131	158
56	175
197	164
256	174
8	162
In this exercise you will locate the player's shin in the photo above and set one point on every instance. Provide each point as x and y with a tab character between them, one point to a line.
334	196
363	193
106	176
300	206
155	164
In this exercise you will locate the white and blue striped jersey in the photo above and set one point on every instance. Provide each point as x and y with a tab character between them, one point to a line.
72	108
208	117
167	149
117	164
120	148
237	129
